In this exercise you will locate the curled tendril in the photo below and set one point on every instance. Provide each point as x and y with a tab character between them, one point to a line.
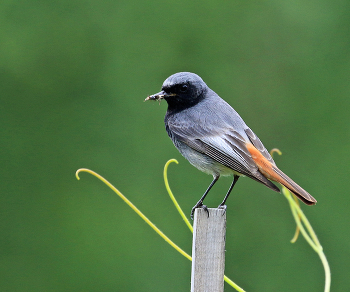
275	150
172	197
182	214
309	235
160	233
294	205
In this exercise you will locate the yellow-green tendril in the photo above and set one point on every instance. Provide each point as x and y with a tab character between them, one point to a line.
275	150
310	237
132	206
182	214
296	234
233	284
300	218
155	228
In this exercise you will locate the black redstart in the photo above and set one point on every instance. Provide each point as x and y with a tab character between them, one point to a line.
212	136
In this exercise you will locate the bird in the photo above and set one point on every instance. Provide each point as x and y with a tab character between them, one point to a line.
213	137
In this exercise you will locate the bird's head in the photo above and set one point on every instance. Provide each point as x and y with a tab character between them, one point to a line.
181	90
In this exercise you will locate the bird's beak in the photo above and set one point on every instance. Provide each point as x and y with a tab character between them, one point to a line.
158	96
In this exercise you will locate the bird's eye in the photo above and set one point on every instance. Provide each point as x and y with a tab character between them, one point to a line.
183	88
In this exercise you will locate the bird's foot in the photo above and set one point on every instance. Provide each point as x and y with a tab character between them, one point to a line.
199	205
223	207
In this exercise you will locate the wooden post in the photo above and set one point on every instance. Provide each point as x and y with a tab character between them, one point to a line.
208	250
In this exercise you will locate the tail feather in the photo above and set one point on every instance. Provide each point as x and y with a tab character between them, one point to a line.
297	190
270	171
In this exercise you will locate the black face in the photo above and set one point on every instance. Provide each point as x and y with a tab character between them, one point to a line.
183	90
180	88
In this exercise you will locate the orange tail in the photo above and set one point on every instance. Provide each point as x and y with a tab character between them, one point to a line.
293	187
272	172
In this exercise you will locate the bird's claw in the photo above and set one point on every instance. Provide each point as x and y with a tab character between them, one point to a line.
199	205
223	207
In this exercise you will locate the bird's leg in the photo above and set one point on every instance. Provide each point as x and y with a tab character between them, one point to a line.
200	202
222	205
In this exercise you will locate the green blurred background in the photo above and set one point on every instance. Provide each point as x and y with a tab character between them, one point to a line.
74	75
